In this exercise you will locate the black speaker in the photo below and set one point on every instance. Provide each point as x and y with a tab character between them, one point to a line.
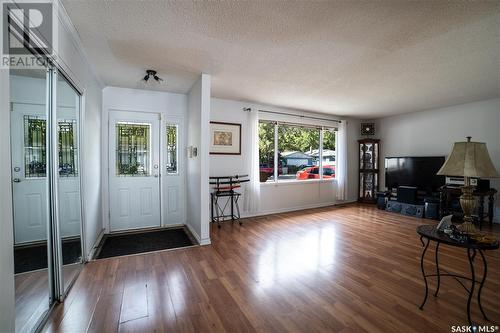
407	194
483	184
381	200
393	206
431	208
412	210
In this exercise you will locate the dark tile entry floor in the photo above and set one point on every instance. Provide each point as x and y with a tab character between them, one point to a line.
33	257
133	243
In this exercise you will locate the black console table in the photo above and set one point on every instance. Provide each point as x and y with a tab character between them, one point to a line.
430	233
448	193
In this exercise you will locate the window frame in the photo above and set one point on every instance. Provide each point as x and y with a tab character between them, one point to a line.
322	129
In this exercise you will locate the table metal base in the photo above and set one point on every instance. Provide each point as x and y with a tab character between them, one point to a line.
471	254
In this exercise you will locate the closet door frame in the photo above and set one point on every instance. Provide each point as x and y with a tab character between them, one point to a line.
58	282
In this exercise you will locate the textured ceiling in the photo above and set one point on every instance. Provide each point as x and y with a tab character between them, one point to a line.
363	59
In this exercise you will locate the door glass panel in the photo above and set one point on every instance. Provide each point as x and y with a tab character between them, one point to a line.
368	186
172	148
133	144
361	152
68	120
32	249
35	145
368	156
361	185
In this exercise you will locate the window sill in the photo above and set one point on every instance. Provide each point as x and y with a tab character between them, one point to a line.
297	182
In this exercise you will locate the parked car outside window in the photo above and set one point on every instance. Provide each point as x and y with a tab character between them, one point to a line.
312	172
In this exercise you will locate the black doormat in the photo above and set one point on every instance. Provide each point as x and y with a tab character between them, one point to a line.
33	257
133	243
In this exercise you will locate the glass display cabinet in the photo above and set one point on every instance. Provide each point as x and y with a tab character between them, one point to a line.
368	169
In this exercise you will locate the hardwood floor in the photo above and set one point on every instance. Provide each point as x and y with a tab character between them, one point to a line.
32	295
32	298
336	269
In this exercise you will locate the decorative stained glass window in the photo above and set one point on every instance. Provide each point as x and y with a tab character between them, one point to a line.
35	149
68	154
172	148
133	149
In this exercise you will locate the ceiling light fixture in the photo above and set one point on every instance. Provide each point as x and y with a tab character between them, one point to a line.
150	73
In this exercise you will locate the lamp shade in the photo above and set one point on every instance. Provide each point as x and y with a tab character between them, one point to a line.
469	159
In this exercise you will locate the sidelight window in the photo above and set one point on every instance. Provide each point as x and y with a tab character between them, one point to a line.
133	144
172	148
68	151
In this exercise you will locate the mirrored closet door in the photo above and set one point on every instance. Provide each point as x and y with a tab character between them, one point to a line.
46	174
30	193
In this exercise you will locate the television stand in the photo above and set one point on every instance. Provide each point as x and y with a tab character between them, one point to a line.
449	203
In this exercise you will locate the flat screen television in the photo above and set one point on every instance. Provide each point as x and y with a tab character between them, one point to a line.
414	171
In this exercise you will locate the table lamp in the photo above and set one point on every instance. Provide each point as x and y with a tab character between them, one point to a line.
468	159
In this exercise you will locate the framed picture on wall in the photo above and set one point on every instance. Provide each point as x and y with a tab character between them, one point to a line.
225	138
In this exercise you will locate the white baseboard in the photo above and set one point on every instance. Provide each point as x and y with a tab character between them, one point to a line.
286	210
91	253
176	225
205	241
194	233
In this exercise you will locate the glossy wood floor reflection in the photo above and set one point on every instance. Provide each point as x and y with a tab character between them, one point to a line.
336	269
32	295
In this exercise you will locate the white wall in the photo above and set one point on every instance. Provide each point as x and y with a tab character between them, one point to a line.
73	60
198	166
276	197
137	100
433	132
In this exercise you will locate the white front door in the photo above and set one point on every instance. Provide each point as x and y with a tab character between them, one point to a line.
134	170
29	172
